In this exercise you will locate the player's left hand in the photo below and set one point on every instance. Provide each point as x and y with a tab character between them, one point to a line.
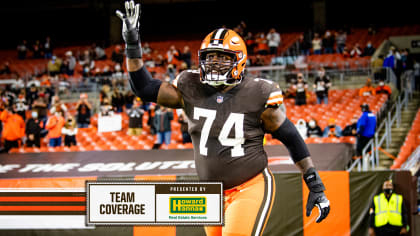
319	200
316	195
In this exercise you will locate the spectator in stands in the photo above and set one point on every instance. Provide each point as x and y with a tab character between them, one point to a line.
117	100
99	52
22	50
69	63
172	56
316	44
33	130
21	105
314	131
186	56
84	109
48	48
54	65
58	106
162	123
86	60
340	39
106	108
250	43
302	128
261	44
13	128
36	50
328	42
377	68
368	89
351	129
5	69
135	118
366	127
332	130
129	98
369	50
258	61
146	49
303	45
117	55
273	41
345	52
383	88
54	126
321	85
40	106
69	131
356	51
183	121
300	88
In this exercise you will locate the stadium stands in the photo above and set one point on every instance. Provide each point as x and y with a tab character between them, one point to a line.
412	141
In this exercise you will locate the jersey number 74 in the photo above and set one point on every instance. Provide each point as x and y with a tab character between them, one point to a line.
235	120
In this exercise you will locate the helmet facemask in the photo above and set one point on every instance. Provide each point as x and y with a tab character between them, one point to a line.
217	67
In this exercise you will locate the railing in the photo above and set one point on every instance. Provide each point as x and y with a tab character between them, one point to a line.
413	162
383	134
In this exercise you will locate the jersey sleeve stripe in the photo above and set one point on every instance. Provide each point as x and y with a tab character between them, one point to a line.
277	101
275	93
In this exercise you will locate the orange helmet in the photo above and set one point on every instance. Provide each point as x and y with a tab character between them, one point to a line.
222	58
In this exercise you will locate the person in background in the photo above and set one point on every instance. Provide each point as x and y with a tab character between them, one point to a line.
369	50
351	129
162	123
22	50
129	98
54	126
33	130
21	105
274	40
383	88
366	127
368	89
84	111
54	65
356	51
316	44
106	108
388	214
314	131
135	118
69	131
300	87
321	85
183	120
48	48
58	106
340	39
69	63
332	130
13	128
117	100
302	128
117	55
328	42
186	56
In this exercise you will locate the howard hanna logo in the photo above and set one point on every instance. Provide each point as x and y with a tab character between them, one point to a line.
187	205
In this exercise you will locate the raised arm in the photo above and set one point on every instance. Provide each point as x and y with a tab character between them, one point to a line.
281	128
141	81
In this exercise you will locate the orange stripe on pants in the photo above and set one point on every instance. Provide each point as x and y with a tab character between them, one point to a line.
247	207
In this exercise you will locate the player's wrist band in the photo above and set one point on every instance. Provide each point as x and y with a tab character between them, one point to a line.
143	85
290	137
133	51
313	181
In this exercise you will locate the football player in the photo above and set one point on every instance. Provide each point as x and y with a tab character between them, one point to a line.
228	116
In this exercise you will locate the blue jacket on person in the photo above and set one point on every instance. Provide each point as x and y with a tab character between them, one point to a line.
366	125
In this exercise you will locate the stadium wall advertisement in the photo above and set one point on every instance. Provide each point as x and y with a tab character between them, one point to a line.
350	195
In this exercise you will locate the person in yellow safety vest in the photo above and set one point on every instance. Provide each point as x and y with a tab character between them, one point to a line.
388	215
